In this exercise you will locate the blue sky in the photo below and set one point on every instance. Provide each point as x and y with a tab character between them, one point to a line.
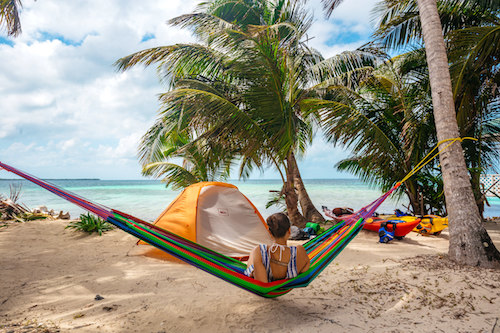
65	111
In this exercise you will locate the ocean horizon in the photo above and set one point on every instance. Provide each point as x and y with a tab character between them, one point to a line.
146	198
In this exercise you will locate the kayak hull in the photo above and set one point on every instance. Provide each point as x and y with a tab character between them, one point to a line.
431	225
403	227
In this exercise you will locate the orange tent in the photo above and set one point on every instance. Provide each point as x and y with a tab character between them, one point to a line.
218	216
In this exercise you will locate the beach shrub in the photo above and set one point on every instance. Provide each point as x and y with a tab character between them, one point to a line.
90	223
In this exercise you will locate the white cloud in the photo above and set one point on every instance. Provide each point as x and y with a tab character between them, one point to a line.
66	112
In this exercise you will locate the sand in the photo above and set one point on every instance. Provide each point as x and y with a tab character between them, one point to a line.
50	277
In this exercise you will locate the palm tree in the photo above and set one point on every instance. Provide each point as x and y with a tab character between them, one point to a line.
240	88
386	119
472	34
469	242
200	162
9	16
475	76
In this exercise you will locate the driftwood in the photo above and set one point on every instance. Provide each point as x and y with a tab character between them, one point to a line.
9	209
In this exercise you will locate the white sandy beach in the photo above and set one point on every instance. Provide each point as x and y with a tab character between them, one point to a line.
51	276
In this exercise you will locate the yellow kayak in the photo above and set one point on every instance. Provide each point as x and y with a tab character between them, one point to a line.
431	225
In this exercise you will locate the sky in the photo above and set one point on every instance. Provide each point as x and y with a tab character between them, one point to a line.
65	112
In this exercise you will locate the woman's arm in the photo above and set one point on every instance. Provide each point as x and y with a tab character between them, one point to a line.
255	259
303	261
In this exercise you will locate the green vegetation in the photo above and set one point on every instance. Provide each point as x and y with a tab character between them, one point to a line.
384	116
253	91
236	95
9	16
90	223
472	34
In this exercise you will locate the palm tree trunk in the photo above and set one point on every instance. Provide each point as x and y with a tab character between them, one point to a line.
413	198
291	198
476	189
309	212
470	244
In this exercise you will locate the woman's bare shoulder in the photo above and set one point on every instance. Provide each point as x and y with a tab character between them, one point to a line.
256	250
300	249
302	253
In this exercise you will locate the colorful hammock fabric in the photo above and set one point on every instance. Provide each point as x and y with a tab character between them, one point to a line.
321	250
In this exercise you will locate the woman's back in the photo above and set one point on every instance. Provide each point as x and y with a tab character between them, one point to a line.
280	266
277	261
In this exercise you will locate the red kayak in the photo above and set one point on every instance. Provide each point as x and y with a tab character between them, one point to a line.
402	227
404	224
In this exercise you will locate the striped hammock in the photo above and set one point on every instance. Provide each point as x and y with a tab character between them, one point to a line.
321	249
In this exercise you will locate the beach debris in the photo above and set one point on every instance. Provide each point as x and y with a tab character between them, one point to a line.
98	297
63	216
12	210
43	210
9	207
110	308
30	326
493	219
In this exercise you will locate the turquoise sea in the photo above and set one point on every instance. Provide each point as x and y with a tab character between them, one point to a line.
146	199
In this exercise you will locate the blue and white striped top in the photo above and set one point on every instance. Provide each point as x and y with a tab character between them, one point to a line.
292	264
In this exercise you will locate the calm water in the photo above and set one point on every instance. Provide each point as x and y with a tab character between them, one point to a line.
146	199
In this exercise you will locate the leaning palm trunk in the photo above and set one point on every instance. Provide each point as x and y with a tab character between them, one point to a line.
291	197
413	197
470	244
309	212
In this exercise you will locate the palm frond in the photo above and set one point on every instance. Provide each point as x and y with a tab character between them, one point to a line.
9	16
330	5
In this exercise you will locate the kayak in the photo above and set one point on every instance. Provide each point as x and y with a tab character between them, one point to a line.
403	227
405	224
431	225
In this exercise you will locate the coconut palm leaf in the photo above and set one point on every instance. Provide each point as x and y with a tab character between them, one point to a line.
330	5
399	25
474	49
9	16
238	91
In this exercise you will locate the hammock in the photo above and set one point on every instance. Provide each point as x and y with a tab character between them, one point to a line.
321	250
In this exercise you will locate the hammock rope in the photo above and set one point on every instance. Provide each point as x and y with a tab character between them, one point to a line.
321	250
428	158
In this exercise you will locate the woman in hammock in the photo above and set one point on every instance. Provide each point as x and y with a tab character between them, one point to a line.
277	261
